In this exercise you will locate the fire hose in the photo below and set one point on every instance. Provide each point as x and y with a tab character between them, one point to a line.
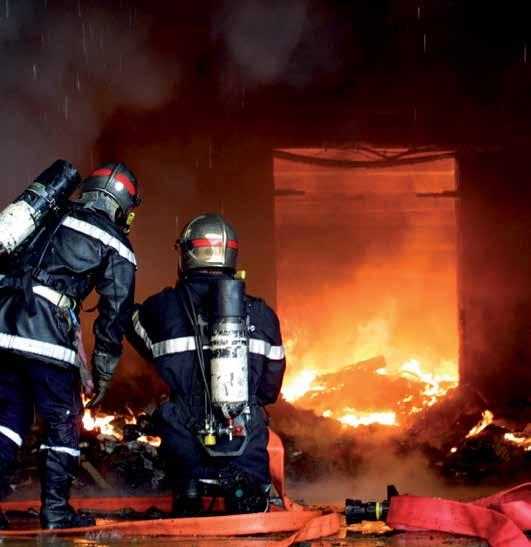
500	519
305	525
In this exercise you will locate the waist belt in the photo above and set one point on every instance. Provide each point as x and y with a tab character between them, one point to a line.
56	298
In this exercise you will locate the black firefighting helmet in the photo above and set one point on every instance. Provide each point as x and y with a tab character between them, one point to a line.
118	182
208	241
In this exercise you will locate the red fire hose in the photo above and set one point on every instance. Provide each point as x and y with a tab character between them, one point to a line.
499	519
306	525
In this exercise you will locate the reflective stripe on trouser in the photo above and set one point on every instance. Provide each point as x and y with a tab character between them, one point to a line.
63	449
11	435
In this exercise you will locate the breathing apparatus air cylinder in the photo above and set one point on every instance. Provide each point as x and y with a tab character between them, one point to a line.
229	347
48	193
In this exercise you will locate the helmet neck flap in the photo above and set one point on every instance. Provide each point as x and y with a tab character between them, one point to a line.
113	189
100	202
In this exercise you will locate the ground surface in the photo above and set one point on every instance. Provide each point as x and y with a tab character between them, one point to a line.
365	535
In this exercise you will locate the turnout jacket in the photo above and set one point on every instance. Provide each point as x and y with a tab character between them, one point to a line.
84	251
162	331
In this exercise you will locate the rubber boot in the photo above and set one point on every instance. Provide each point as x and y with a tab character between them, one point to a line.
243	492
187	501
58	470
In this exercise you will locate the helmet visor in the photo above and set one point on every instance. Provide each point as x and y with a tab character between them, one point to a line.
212	250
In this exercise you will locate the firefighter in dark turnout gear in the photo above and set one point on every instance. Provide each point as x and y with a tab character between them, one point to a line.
164	330
41	359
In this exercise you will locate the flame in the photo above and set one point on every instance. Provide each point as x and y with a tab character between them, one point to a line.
355	419
299	385
147	439
436	386
486	419
433	390
520	440
103	423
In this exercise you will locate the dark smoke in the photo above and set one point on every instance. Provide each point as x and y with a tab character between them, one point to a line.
271	42
64	73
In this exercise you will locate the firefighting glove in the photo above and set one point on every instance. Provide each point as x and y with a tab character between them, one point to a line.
103	368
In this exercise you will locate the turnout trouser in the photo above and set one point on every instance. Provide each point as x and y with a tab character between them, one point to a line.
26	384
188	459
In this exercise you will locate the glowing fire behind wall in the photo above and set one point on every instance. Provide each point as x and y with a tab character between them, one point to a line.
367	268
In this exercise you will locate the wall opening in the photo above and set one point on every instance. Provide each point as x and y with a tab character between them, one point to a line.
366	272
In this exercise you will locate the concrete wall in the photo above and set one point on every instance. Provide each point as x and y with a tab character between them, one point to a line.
494	228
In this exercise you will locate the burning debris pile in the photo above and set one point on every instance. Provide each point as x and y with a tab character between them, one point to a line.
366	393
336	422
123	449
496	449
119	451
331	424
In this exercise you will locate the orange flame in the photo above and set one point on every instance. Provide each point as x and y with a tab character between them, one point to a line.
299	385
103	423
355	419
520	440
436	387
487	418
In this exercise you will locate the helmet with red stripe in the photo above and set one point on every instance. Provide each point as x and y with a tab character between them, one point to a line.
208	241
118	182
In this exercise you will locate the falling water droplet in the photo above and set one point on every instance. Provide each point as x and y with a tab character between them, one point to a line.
525	53
35	72
243	98
78	82
425	43
79	8
83	39
7	9
418	13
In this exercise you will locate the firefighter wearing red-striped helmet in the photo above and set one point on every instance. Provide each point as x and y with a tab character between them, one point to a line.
208	241
220	352
113	188
78	247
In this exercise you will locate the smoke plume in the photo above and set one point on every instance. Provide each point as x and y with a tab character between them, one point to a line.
64	72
